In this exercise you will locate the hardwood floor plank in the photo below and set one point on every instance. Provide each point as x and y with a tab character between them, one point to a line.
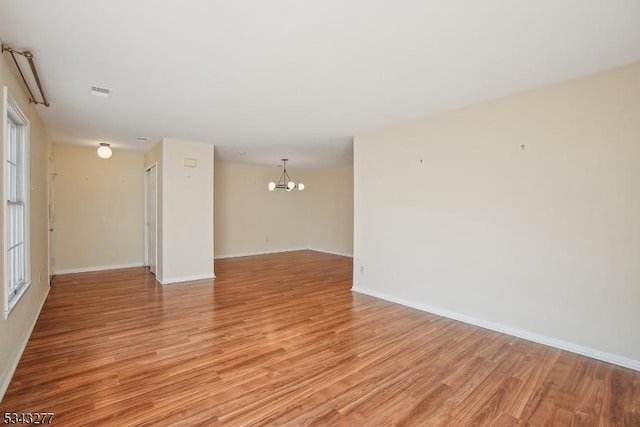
281	340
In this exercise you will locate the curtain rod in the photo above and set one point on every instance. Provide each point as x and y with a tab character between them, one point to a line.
27	54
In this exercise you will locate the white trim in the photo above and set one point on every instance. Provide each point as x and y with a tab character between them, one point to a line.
332	252
144	218
283	251
97	268
147	170
3	196
509	330
10	369
279	251
260	253
176	280
51	218
16	298
12	110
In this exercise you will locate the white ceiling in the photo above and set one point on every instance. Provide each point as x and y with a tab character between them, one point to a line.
298	78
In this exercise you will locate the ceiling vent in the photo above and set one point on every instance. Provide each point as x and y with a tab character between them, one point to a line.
100	91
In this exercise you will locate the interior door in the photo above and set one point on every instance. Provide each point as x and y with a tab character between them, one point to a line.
52	221
151	209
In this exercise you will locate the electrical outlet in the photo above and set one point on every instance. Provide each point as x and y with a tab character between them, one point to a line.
362	269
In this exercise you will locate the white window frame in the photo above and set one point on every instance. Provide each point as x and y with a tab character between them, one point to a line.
16	249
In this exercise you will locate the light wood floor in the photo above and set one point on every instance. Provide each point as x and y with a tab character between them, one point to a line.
280	339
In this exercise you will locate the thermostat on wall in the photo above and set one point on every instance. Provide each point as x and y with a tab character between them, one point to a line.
190	163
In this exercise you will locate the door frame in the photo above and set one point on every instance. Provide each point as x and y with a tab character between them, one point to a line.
51	219
147	170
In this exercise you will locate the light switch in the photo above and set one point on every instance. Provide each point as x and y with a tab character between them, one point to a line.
190	163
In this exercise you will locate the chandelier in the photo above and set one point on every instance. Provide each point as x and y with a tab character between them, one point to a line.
285	182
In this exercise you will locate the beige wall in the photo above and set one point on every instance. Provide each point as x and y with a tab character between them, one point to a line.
251	219
15	330
187	211
99	209
453	216
330	210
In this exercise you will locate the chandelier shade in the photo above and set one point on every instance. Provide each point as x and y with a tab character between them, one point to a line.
285	182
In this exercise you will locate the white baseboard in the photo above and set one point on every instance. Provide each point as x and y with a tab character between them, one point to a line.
332	252
10	369
97	268
283	251
509	330
176	280
260	253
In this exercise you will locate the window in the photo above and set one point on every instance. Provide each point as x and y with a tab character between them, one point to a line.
17	206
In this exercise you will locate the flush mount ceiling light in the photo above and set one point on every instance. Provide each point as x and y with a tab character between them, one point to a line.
104	151
285	182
